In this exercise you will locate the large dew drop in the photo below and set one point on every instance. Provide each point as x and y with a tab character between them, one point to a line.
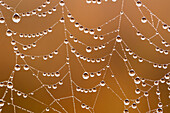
16	18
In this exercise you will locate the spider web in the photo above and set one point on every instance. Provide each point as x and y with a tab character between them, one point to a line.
63	88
